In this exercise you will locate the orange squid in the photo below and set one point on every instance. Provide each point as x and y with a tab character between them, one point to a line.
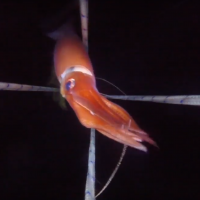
78	86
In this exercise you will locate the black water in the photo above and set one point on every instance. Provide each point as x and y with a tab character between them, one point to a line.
145	49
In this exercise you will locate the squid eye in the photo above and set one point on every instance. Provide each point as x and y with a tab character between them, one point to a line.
70	84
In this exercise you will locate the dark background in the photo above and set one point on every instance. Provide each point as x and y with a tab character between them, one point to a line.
145	49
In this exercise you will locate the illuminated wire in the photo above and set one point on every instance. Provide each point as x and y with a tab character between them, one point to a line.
178	99
20	87
90	180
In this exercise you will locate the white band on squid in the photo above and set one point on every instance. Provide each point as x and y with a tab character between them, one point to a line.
75	68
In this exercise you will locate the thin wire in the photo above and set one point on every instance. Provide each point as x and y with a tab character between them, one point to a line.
115	170
123	150
111	84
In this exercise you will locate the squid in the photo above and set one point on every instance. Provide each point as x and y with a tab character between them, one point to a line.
75	73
